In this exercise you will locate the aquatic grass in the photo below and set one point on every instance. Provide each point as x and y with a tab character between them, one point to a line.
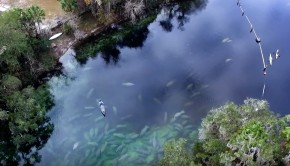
103	144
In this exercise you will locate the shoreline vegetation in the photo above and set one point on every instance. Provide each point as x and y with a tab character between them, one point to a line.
24	99
247	134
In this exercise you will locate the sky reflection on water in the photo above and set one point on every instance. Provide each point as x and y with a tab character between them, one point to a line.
166	65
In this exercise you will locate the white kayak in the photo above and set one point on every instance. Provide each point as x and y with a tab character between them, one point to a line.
55	36
102	107
3	7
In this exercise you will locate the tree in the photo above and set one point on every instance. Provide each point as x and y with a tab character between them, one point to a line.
30	19
22	49
68	5
10	84
36	15
249	134
175	153
134	9
3	115
26	126
14	40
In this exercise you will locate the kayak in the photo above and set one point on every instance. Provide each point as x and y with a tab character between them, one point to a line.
102	107
55	36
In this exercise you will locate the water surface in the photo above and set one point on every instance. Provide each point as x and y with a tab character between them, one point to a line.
183	65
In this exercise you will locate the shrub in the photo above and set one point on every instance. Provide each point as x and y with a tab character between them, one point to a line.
67	29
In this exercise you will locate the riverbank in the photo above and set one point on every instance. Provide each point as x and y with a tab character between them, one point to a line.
82	29
81	26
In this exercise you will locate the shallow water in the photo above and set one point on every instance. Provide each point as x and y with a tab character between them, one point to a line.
189	64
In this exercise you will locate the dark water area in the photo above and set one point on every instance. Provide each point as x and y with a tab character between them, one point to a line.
184	64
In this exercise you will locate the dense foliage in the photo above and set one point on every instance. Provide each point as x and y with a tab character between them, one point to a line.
249	134
23	103
175	153
131	9
25	54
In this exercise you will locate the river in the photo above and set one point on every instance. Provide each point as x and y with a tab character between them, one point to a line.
160	89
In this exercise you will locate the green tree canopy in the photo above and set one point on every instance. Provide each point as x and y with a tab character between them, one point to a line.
68	5
175	153
30	18
248	134
10	83
14	40
24	124
36	15
22	50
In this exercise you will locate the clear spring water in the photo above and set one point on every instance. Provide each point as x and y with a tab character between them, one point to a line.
162	88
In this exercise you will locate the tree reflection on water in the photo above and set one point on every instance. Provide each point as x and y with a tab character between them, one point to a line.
180	12
133	36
